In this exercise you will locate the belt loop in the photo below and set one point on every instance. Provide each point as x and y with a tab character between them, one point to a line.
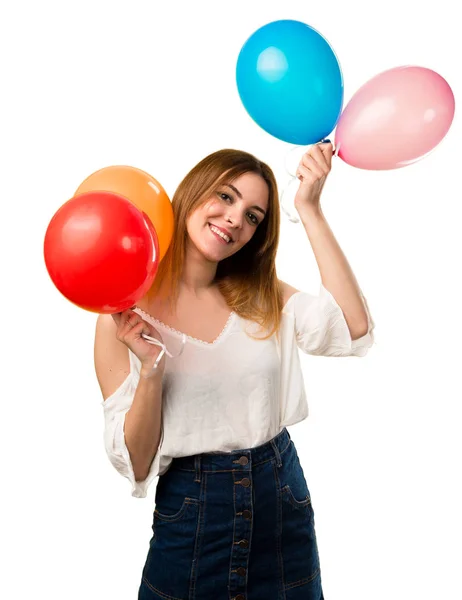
197	464
276	452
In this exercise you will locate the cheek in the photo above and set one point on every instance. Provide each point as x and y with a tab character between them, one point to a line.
247	235
192	224
197	217
212	205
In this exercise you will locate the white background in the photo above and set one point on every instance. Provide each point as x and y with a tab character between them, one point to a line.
91	84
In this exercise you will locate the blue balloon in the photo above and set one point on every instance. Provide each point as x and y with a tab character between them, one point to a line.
290	82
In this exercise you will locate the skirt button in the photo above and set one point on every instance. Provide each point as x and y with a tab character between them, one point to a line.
245	482
243	460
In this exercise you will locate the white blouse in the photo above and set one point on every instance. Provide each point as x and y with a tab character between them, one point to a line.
234	392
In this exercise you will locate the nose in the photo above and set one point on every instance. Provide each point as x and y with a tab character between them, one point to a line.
234	217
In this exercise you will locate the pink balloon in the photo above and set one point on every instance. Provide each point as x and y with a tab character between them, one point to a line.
395	119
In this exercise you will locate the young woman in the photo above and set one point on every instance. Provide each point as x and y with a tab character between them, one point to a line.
233	517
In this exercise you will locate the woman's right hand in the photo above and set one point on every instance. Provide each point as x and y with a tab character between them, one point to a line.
130	326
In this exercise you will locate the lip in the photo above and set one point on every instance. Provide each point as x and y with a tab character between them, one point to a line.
225	231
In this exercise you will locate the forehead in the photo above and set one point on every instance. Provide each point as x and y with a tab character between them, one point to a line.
252	187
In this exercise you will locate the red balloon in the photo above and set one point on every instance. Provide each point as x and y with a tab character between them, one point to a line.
101	252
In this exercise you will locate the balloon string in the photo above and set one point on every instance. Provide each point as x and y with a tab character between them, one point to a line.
291	217
293	176
152	340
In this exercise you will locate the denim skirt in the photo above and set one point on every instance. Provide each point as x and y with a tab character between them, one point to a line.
234	526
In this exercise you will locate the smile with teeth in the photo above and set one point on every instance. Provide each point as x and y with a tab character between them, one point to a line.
220	233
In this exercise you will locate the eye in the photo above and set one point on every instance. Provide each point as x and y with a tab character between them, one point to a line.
227	198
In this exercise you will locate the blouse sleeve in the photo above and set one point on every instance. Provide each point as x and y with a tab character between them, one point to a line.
115	408
321	328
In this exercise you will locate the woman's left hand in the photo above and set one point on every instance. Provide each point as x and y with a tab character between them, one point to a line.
312	172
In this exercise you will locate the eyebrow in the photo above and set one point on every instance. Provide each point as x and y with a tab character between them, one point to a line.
240	196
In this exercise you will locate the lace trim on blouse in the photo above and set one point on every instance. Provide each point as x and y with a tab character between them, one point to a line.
180	333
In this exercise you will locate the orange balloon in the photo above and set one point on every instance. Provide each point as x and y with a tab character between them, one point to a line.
144	191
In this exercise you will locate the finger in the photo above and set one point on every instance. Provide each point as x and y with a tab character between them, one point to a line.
128	321
306	175
150	333
140	328
121	318
327	148
124	316
133	321
310	163
318	155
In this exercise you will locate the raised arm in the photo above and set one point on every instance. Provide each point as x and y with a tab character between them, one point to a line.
336	274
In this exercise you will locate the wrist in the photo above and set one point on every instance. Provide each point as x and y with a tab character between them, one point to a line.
309	212
151	373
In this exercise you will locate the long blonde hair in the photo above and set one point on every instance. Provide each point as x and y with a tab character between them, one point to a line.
247	279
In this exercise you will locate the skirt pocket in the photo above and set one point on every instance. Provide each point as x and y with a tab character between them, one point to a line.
169	565
176	516
301	504
300	558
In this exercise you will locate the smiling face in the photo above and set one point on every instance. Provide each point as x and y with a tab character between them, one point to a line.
236	210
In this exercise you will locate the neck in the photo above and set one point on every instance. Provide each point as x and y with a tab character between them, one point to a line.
198	273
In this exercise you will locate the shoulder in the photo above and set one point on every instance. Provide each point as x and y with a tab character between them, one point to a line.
112	362
105	329
287	291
